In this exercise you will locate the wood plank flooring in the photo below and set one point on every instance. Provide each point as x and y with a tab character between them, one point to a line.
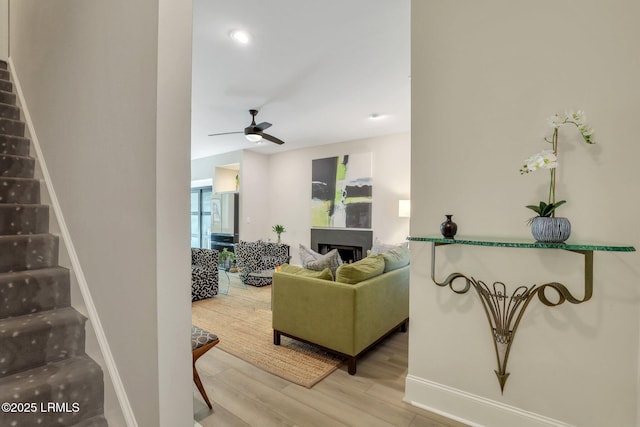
243	395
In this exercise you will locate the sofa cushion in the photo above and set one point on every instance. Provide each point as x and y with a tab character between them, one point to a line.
301	271
395	258
359	271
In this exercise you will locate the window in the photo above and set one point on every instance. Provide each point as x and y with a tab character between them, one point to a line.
201	217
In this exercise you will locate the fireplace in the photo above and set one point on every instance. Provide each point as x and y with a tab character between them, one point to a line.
351	244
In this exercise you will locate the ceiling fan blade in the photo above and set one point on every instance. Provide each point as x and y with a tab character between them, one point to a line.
271	138
224	133
262	126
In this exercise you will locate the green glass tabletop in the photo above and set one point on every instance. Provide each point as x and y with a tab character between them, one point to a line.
524	243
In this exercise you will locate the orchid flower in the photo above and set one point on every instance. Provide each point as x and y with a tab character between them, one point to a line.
548	159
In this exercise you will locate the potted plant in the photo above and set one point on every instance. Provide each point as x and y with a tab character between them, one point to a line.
226	258
279	229
546	227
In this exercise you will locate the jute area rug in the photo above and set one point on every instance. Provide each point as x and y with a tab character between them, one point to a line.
242	320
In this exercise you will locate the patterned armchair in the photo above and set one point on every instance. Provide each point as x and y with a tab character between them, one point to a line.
204	273
256	261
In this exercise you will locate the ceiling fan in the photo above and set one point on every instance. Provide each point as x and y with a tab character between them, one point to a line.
254	132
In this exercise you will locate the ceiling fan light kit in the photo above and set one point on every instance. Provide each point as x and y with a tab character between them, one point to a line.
253	137
255	132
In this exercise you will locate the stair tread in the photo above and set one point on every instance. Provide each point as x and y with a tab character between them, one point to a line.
16	178
31	236
7	119
17	166
32	291
14	326
38	272
28	237
19	190
97	421
12	206
53	371
76	379
15	145
28	251
16	156
35	339
9	111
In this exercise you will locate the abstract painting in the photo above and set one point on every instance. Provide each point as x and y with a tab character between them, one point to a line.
341	191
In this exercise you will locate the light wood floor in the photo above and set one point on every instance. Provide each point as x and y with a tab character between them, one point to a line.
243	395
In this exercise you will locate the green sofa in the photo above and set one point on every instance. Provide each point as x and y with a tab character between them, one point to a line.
346	319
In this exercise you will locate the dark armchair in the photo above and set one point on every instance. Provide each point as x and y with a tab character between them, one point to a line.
257	261
204	273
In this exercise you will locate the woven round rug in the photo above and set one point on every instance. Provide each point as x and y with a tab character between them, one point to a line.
242	321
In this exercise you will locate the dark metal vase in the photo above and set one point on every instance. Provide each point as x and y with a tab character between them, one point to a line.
448	228
550	230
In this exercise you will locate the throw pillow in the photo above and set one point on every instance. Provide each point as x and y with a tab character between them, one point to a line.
380	247
330	260
307	255
300	271
359	271
396	258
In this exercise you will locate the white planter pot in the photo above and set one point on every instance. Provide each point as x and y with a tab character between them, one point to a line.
550	230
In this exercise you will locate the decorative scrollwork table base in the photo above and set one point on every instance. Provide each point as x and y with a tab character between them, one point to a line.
505	309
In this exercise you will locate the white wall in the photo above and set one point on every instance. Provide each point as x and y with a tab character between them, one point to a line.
255	175
4	29
289	188
173	257
93	77
485	76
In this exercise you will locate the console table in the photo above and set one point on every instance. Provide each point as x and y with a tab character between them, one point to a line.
504	309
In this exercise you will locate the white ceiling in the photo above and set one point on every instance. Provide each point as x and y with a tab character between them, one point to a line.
315	69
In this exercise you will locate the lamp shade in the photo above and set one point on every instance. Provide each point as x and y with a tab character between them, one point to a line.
404	208
253	137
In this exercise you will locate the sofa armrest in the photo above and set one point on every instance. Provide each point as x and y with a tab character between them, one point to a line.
381	303
315	310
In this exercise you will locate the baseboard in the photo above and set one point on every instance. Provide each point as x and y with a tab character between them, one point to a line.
470	409
92	314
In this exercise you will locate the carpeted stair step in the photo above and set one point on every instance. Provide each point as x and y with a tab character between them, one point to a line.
7	97
17	166
35	339
5	75
97	421
11	127
75	383
16	145
28	252
6	85
19	190
3	65
16	219
31	291
9	111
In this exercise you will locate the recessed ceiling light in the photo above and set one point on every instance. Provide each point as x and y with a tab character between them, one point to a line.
376	116
240	36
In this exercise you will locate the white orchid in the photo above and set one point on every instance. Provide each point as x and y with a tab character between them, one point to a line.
578	117
543	160
556	121
548	159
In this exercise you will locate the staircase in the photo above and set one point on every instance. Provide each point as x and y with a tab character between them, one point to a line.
46	379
